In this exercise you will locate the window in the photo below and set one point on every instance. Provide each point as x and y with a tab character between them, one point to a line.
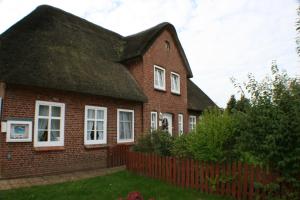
192	122
175	83
125	126
167	45
159	78
153	121
180	124
49	124
95	125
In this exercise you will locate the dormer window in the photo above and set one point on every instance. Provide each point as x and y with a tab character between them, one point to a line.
159	78
175	83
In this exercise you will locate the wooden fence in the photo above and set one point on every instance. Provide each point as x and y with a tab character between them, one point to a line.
235	179
117	155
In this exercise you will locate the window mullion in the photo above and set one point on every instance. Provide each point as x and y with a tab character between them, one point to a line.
49	122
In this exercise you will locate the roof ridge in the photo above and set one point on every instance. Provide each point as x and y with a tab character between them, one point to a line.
157	27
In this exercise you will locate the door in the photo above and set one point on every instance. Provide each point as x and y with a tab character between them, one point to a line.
167	122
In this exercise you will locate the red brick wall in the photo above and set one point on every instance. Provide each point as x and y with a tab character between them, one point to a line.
19	102
162	101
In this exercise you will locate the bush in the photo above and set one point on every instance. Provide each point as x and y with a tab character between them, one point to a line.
213	139
159	142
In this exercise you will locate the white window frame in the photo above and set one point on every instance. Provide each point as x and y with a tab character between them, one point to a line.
180	124
95	108
8	131
192	122
164	76
172	90
0	107
118	126
152	122
62	124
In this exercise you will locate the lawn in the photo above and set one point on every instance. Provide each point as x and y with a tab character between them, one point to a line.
106	187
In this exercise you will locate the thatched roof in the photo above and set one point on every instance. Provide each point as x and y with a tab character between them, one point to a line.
197	99
55	49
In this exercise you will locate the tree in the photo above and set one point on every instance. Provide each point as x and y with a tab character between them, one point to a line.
243	104
231	105
270	129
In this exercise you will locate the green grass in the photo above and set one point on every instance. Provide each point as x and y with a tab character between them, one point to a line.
106	187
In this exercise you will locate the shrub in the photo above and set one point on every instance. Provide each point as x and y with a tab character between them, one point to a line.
159	142
213	139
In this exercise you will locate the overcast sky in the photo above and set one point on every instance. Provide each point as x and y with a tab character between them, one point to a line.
221	38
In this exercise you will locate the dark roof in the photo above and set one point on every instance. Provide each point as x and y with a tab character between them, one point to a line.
54	49
197	99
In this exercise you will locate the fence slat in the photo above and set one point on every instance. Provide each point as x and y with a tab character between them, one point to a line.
192	173
187	173
234	176
197	175
223	179
202	177
245	181
239	178
228	174
251	183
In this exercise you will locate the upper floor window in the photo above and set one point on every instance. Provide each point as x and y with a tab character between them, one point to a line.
153	121
175	83
159	78
49	124
125	126
95	125
192	122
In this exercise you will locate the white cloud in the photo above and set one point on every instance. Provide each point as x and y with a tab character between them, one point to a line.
221	38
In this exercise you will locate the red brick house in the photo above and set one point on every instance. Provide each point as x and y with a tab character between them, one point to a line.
69	89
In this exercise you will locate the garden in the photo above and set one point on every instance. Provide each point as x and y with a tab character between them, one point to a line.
262	131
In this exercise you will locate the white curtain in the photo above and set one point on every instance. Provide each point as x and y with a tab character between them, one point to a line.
125	125
42	129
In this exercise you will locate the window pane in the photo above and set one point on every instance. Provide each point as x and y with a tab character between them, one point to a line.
43	110
55	124
54	135
100	126
122	130
100	114
91	135
43	124
43	135
99	135
91	114
55	111
156	77
90	125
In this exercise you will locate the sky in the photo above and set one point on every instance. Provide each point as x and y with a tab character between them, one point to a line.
221	38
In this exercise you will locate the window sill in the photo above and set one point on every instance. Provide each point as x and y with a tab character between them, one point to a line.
125	143
95	146
57	148
176	93
160	90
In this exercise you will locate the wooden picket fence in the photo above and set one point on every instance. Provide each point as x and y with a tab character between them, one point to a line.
233	179
117	155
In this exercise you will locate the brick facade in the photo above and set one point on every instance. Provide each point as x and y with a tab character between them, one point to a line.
22	159
162	101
